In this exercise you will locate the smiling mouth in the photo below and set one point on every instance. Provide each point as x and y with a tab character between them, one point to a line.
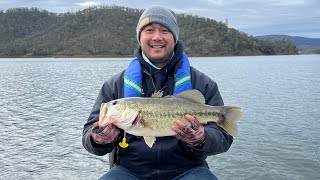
157	46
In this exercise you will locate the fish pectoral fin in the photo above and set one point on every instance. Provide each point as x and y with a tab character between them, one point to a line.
149	140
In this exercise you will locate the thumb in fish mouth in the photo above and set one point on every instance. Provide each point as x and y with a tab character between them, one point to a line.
99	129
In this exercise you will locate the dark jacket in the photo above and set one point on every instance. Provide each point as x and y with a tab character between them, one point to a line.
169	156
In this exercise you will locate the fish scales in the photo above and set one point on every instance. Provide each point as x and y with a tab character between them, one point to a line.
169	108
161	113
154	117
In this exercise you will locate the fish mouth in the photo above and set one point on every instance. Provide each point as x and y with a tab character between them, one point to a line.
105	121
102	121
136	119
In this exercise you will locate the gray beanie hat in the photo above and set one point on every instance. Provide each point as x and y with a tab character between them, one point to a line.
159	15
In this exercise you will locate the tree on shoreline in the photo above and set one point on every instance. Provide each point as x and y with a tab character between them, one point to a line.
110	31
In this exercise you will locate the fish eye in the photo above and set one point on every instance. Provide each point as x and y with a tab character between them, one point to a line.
114	102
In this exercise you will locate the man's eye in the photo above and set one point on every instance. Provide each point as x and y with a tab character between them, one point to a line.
114	102
165	30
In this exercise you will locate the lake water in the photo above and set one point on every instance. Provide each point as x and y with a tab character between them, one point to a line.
45	102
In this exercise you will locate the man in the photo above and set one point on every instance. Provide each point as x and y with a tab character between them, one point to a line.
160	65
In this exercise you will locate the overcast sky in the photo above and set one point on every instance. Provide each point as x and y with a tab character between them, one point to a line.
254	17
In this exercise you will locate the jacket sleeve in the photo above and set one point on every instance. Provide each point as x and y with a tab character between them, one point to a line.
108	92
217	140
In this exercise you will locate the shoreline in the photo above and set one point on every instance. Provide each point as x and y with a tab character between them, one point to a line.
69	56
119	56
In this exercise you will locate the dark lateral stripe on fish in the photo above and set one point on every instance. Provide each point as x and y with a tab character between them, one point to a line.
182	114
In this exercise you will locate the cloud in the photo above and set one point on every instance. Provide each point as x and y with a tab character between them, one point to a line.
291	17
88	4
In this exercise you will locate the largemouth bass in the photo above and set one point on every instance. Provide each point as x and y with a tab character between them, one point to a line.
153	117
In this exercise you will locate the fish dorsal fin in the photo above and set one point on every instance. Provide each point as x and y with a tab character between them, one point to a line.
158	94
192	95
149	140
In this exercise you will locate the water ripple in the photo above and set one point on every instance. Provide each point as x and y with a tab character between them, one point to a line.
45	102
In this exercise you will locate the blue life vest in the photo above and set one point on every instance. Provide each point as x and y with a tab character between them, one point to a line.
133	78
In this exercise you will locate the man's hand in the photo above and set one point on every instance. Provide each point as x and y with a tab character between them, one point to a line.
193	135
106	135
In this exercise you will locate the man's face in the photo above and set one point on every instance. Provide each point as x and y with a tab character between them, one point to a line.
157	43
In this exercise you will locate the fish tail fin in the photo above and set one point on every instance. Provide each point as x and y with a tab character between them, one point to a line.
229	122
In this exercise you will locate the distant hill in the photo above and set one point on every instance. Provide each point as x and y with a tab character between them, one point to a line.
110	31
301	42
